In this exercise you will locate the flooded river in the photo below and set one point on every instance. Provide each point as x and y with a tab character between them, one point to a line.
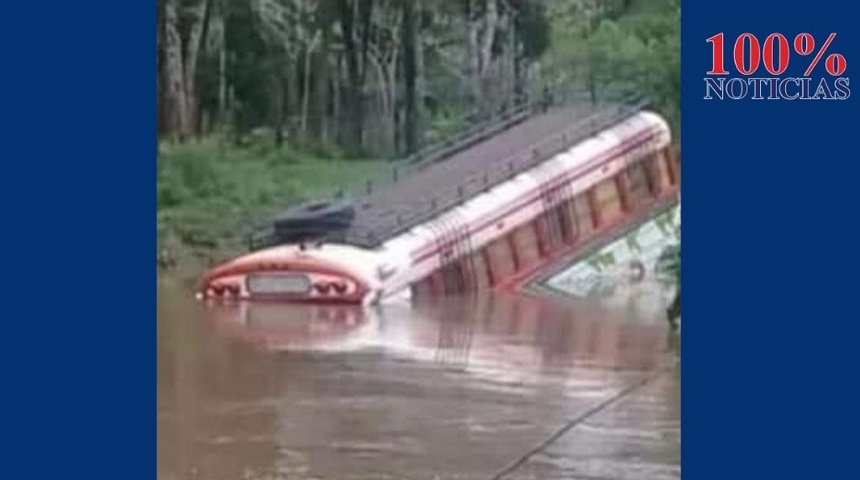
479	388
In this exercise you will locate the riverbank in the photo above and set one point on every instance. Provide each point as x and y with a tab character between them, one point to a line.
210	193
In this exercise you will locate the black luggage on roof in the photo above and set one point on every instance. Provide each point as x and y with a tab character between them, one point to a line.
309	222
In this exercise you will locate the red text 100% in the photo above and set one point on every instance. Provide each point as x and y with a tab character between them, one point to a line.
750	57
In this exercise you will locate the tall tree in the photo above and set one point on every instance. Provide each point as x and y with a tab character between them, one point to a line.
355	18
184	26
178	116
321	67
532	29
197	15
483	21
410	73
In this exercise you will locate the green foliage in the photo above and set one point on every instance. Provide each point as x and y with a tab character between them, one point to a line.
209	193
445	126
642	51
533	27
623	50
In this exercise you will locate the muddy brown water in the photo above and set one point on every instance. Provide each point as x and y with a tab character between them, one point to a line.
477	388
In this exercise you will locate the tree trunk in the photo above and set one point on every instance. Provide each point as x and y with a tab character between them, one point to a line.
199	124
420	80
306	90
488	35
159	69
197	18
518	70
384	92
222	68
391	95
483	23
365	11
321	87
491	20
173	64
410	70
337	111
354	83
279	110
474	60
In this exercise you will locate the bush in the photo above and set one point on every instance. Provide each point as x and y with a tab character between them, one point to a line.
635	51
209	193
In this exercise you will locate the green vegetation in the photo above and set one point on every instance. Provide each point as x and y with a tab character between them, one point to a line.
263	103
209	195
607	49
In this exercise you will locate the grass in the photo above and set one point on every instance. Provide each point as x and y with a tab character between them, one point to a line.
211	193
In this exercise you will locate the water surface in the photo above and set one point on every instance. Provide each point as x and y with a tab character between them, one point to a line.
467	389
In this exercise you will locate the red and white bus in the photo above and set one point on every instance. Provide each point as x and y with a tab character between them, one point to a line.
495	238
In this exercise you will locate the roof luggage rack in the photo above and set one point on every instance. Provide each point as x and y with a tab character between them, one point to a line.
295	226
451	196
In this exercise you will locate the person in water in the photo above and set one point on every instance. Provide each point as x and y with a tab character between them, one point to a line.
673	313
674	310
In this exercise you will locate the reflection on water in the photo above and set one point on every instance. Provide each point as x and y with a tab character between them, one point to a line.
510	329
284	391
